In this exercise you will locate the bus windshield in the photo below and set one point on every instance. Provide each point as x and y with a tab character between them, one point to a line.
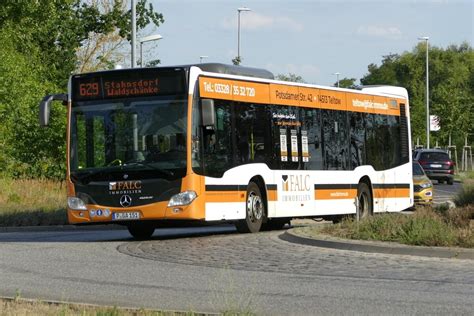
137	135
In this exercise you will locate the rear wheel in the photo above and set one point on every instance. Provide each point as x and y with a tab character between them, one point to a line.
141	231
365	206
255	211
450	181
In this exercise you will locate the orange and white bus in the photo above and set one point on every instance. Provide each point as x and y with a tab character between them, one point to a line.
219	143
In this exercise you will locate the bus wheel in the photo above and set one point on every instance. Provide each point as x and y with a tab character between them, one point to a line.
140	230
255	211
364	207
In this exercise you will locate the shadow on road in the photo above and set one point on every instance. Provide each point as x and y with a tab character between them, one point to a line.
110	235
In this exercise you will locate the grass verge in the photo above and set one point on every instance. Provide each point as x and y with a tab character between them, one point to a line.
464	176
32	202
426	227
18	306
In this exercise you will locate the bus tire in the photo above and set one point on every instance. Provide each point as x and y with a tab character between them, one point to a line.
365	203
254	211
140	230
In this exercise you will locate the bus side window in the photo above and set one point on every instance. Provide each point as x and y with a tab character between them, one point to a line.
394	149
253	134
335	133
357	139
244	133
286	126
375	140
311	122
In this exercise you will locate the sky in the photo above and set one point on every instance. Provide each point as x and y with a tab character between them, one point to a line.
312	39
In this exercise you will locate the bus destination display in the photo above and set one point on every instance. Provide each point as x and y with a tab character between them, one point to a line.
131	88
119	88
132	84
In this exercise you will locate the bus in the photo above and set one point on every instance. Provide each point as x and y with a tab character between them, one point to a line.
215	143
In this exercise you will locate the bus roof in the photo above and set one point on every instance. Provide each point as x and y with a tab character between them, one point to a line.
394	91
208	67
235	70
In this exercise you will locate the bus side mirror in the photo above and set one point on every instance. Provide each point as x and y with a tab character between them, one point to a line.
45	107
207	112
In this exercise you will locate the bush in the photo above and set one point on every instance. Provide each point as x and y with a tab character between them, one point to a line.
426	231
461	216
427	227
466	196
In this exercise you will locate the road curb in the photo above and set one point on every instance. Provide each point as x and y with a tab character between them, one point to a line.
59	228
325	241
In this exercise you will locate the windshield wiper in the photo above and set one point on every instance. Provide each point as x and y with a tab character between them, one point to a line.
84	176
165	172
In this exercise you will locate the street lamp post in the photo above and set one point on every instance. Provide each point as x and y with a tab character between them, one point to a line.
238	29
201	58
134	33
337	78
147	39
426	38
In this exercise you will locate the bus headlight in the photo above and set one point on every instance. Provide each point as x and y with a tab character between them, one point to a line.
183	198
76	204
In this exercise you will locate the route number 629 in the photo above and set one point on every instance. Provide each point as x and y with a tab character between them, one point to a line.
89	89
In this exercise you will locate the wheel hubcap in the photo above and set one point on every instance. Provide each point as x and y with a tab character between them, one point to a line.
254	207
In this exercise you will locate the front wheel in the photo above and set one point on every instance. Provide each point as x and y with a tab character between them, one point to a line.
364	205
140	230
254	211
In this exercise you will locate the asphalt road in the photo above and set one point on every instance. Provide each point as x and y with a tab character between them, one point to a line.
214	269
444	192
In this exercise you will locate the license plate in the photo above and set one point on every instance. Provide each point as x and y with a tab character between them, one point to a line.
125	216
435	166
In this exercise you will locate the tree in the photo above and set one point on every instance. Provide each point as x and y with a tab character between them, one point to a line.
25	148
452	98
60	28
237	60
153	63
105	50
39	41
346	83
385	74
451	87
101	50
290	77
